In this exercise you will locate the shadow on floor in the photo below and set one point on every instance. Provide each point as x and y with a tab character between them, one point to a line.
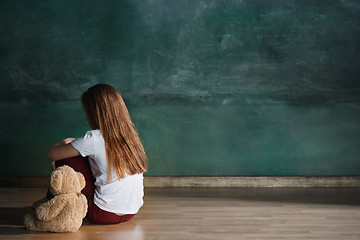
12	220
13	216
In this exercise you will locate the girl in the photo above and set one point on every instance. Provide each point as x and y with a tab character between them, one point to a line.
110	156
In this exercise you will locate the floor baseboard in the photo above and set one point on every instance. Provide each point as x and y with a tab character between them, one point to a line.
252	181
343	181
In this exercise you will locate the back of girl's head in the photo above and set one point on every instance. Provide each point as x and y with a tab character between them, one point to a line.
106	111
101	101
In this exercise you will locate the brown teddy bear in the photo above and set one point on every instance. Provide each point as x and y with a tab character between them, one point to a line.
66	210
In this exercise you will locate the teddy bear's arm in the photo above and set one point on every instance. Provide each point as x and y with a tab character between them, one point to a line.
51	208
85	205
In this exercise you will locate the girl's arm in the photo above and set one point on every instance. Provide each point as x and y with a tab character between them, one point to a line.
62	150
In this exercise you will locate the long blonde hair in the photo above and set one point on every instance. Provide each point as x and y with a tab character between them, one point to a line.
105	110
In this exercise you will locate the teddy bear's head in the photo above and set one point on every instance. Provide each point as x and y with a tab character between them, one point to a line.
65	180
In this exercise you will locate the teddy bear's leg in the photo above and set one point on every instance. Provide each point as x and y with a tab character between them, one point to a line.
45	226
29	222
56	225
34	224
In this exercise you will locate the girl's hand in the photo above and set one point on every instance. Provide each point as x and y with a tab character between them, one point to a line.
68	140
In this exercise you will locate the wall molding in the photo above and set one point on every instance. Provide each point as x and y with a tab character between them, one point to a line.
353	181
343	181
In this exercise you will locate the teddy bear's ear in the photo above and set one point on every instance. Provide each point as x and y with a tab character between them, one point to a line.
81	180
56	180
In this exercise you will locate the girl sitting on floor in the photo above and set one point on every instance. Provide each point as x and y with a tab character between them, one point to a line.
110	156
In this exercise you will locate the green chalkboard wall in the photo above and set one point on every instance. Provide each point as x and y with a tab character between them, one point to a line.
215	88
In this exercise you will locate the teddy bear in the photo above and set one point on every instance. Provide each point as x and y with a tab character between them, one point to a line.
66	210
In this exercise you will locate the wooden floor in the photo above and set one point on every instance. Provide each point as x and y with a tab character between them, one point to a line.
210	213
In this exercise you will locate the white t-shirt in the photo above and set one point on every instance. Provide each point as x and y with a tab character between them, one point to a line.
123	196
